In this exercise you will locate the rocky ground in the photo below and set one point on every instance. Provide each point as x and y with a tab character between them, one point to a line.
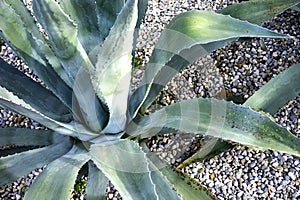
239	69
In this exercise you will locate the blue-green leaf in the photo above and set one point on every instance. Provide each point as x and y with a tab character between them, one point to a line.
63	36
112	73
17	165
33	93
22	35
184	185
219	119
83	13
97	183
277	92
188	36
107	12
211	147
88	109
257	11
10	101
130	171
142	7
28	137
296	7
38	39
58	179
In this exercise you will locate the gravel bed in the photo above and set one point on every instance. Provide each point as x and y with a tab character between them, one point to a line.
237	69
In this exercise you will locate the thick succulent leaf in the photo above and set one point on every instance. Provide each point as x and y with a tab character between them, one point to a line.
38	38
258	11
88	108
194	30
33	93
18	30
272	96
97	183
94	19
17	165
130	171
93	115
177	63
28	137
13	150
277	92
209	149
12	102
58	179
219	119
107	12
112	73
142	7
296	7
84	15
185	186
63	36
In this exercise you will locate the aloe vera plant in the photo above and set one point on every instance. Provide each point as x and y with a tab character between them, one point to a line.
85	61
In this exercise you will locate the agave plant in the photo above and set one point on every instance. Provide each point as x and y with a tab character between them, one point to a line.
85	60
